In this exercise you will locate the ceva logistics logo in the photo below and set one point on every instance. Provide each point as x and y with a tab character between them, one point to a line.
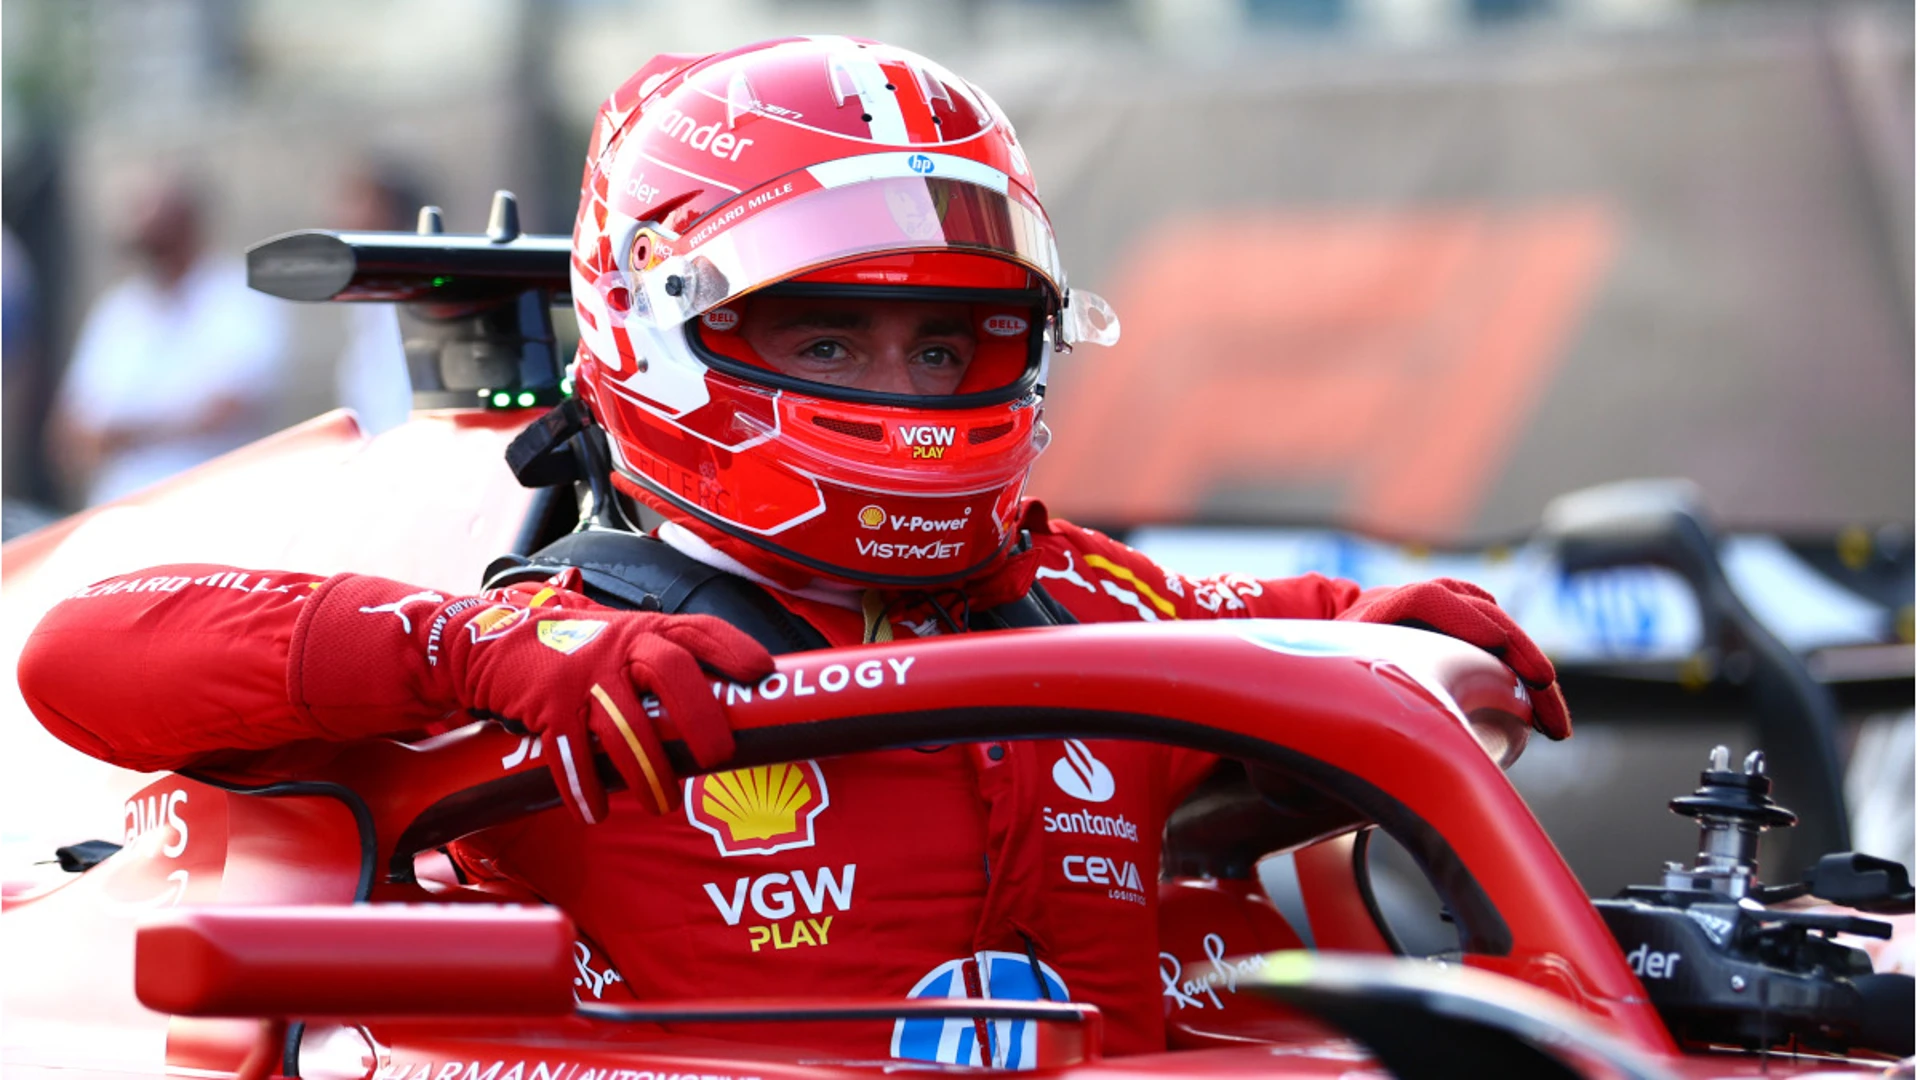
758	811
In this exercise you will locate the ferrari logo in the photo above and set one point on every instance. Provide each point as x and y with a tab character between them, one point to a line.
568	635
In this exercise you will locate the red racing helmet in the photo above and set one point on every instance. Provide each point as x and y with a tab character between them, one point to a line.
837	169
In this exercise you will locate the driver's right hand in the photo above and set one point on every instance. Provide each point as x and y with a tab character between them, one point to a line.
572	677
574	674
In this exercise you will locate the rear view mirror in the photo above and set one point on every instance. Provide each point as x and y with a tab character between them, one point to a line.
359	962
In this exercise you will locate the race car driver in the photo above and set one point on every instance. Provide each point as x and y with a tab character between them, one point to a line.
818	296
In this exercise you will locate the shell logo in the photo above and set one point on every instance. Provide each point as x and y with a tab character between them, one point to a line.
872	517
758	811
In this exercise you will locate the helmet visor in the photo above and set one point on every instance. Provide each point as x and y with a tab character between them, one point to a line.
783	231
942	348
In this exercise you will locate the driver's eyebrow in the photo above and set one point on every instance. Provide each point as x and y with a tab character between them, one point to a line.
945	326
824	320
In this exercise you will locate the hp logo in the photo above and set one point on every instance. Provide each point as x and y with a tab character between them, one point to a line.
920	163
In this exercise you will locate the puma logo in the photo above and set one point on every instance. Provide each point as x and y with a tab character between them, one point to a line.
1068	574
396	609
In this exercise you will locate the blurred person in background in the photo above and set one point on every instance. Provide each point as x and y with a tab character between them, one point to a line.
20	366
378	195
175	365
16	311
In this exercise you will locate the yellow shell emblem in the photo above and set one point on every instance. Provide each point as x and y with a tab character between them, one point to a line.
757	803
872	517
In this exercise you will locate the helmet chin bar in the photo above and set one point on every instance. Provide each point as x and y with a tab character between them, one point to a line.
631	480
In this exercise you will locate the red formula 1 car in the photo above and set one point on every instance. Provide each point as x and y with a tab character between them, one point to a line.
279	903
298	928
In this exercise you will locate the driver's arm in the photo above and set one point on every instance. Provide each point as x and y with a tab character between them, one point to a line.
162	668
1099	579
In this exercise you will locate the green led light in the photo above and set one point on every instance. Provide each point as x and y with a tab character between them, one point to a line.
566	386
502	399
441	280
527	398
1288	968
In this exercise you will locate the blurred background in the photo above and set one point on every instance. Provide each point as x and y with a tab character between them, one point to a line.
1604	238
1410	268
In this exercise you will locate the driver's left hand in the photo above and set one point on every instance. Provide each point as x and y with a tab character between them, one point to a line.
1463	610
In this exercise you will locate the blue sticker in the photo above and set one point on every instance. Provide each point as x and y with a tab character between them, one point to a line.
1296	646
1004	976
920	163
1617	608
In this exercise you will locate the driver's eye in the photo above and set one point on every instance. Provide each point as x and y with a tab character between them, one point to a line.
938	357
824	350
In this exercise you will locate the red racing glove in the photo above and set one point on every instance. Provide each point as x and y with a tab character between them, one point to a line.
1465	611
573	675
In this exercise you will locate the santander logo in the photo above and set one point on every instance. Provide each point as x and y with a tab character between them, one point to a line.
1082	775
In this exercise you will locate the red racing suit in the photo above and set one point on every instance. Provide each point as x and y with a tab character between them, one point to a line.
935	873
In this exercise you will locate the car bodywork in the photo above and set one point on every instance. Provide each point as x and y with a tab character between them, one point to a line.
1363	727
1375	726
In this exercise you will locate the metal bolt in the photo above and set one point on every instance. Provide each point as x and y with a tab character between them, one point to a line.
676	284
1716	760
1756	763
1738	983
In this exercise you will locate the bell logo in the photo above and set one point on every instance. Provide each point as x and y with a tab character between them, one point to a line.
1082	775
758	811
1004	325
872	517
721	319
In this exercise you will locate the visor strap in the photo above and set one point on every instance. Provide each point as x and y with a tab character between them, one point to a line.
879	629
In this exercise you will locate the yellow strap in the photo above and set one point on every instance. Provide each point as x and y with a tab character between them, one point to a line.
879	629
633	744
1101	562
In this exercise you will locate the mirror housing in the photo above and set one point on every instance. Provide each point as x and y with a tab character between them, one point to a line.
359	962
